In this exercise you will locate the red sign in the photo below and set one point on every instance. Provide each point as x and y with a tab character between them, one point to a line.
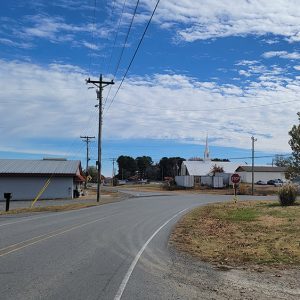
235	178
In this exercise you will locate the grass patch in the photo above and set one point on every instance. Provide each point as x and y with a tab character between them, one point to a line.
252	232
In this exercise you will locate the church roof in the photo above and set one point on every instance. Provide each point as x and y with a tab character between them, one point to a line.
203	168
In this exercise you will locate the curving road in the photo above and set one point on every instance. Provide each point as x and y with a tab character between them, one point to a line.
114	251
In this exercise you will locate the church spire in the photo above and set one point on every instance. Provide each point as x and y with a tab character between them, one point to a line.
206	151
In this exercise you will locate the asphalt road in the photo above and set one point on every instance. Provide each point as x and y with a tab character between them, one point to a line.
114	251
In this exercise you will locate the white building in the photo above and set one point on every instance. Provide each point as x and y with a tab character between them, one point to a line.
26	178
201	171
263	173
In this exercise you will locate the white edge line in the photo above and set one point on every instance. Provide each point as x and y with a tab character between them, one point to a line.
137	257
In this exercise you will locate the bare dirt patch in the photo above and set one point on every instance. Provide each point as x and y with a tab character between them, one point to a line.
244	233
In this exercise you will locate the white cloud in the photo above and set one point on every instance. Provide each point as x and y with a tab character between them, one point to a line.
247	62
282	54
230	114
45	103
54	29
11	43
297	68
208	19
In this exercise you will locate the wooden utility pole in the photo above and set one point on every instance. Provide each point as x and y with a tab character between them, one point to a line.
113	170
252	186
100	84
87	140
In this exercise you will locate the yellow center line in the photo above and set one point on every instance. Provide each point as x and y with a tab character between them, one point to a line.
31	239
46	237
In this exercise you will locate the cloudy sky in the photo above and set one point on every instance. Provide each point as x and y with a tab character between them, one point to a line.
229	69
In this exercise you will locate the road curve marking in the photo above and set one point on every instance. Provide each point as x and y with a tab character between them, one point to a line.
47	237
137	257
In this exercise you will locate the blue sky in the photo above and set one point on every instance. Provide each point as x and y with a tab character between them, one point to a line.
229	69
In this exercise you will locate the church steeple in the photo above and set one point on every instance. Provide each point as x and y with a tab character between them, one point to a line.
206	151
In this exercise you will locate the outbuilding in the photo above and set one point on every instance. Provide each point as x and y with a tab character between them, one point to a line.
263	173
202	172
25	179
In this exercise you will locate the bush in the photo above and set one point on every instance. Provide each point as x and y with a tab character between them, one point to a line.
242	189
287	195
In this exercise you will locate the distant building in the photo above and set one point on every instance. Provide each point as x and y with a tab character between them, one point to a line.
263	173
202	171
25	178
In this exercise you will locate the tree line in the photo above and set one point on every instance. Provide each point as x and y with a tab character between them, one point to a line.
143	167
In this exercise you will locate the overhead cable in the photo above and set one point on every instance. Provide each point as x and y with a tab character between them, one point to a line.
123	48
134	55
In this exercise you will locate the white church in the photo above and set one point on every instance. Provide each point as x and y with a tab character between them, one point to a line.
201	172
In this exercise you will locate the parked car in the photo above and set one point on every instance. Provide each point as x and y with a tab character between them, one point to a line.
271	182
278	182
275	182
261	182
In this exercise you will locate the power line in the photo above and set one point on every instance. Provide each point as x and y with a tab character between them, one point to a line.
123	48
134	55
116	36
143	107
262	156
126	38
93	34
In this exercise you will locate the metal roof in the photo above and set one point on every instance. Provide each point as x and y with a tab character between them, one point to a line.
261	169
26	166
203	168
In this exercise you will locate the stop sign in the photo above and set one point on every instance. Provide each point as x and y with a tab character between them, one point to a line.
235	178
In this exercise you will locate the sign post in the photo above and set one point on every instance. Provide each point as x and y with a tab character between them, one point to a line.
235	179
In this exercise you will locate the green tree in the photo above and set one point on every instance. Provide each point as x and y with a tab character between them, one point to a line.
294	142
127	167
170	167
92	170
217	169
153	172
281	161
220	159
143	162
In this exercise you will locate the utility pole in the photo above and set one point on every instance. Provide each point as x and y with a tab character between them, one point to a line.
113	170
100	84
87	140
253	140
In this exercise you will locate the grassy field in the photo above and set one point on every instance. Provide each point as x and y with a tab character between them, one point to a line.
256	232
245	189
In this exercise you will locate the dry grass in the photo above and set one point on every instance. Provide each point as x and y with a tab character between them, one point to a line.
243	233
84	201
53	208
245	189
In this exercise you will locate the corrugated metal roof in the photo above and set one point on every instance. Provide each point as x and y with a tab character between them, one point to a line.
26	166
261	169
202	168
